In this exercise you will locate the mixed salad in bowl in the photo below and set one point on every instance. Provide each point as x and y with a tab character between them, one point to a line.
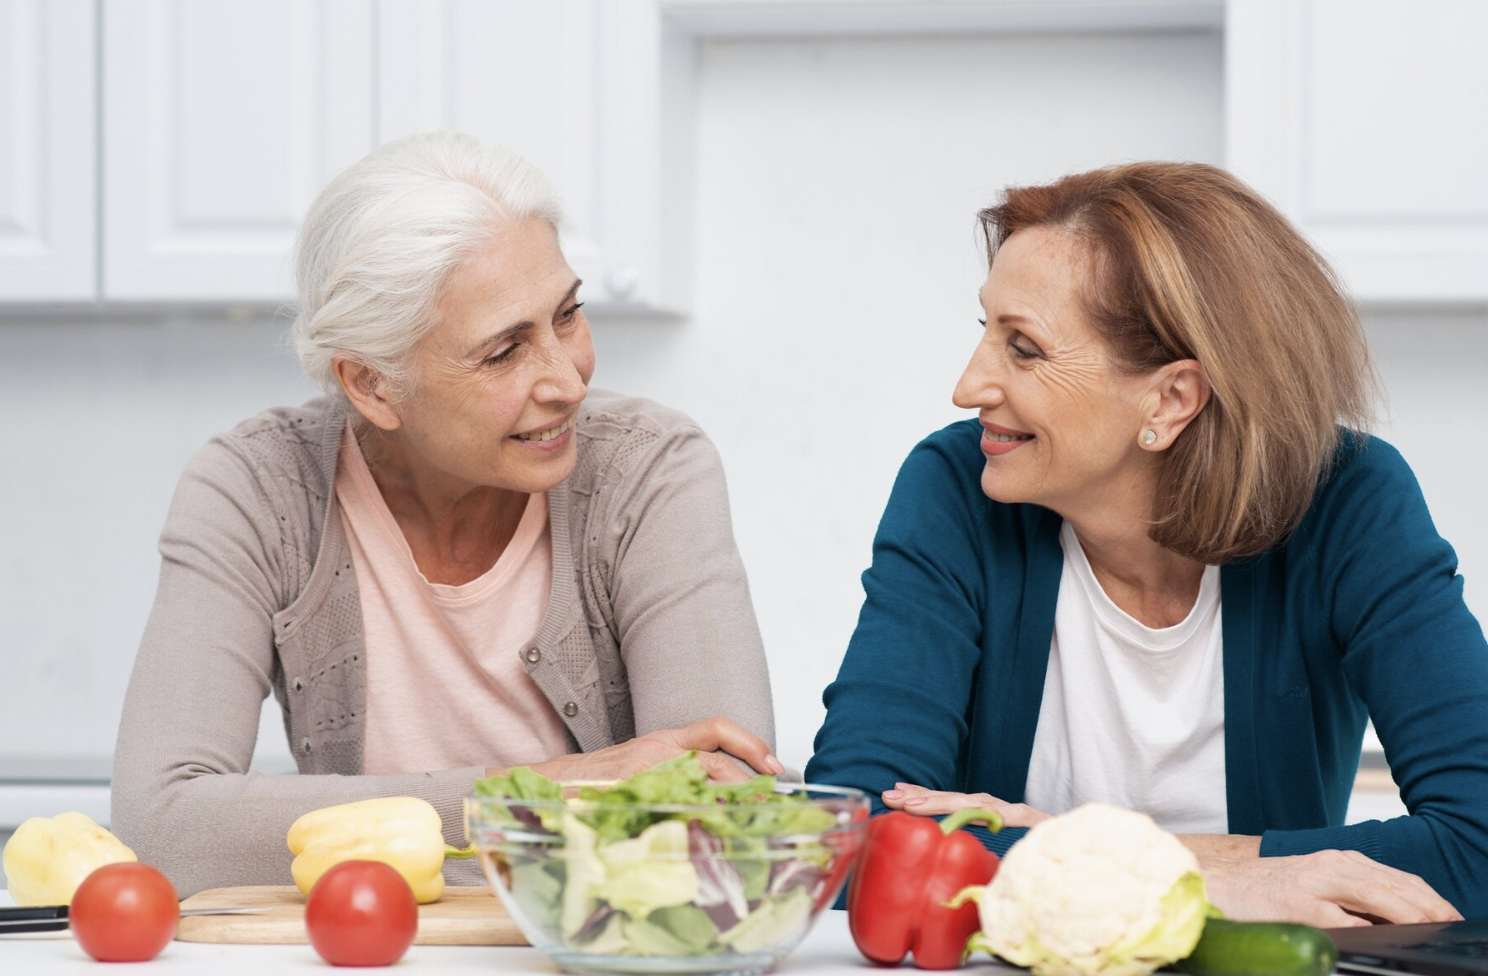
666	871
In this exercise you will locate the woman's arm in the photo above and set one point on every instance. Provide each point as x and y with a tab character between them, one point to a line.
1327	888
1330	888
678	593
183	796
1416	656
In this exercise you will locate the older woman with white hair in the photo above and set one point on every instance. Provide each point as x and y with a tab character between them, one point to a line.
460	560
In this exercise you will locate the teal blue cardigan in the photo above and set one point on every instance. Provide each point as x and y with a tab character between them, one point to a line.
1359	614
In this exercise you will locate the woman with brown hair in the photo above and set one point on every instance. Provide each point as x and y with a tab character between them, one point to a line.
1165	567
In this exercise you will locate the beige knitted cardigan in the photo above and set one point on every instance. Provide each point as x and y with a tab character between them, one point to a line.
649	626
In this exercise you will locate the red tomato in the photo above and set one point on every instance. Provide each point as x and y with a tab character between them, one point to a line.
361	913
124	912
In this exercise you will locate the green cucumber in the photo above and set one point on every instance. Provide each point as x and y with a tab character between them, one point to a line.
1259	949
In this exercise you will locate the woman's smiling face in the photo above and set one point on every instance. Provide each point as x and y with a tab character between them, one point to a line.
501	377
1060	419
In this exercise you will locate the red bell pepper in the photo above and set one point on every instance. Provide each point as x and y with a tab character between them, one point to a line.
908	869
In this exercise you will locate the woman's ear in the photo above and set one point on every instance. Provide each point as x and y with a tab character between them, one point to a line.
1181	391
369	392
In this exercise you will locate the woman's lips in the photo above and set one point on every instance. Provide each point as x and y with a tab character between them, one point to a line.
997	441
551	439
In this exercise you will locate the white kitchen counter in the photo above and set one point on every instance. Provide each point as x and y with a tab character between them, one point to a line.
828	949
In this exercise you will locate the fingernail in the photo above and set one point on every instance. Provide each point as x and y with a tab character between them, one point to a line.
892	794
914	801
775	765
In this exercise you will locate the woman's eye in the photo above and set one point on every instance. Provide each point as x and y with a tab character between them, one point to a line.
1023	351
570	312
501	356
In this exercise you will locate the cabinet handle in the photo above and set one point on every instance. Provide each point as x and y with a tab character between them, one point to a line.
622	281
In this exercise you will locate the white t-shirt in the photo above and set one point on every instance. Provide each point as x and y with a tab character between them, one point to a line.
1131	715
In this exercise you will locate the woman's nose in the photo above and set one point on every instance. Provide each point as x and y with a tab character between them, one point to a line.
978	386
561	379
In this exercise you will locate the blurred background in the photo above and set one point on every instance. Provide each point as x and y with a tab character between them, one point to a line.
772	203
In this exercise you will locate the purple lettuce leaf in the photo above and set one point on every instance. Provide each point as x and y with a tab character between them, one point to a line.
594	923
801	873
720	890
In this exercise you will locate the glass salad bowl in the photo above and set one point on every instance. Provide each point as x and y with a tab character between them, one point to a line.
604	883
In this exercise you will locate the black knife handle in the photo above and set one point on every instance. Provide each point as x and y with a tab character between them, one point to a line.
43	918
47	918
39	913
8	927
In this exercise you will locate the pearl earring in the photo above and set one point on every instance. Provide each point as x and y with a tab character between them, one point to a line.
1149	437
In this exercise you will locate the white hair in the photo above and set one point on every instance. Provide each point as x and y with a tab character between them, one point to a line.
382	237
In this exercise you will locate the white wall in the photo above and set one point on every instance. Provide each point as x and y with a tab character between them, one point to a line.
837	272
101	417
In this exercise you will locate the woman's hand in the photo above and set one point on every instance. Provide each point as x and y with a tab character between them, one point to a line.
934	803
717	741
1329	889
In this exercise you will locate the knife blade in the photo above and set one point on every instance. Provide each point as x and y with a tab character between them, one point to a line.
53	918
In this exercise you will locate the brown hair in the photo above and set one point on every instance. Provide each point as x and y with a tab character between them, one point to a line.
1190	263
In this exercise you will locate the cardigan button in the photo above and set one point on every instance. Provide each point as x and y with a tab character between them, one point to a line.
533	655
571	709
306	745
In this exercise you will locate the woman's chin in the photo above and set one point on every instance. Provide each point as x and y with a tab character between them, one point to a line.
1001	489
536	471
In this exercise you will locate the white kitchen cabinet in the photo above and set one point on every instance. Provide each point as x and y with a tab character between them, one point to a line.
48	219
592	91
222	121
1366	121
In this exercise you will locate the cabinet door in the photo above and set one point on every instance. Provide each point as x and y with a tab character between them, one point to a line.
576	87
222	121
48	227
1366	121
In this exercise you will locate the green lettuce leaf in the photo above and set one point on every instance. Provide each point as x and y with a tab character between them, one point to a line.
748	809
750	856
681	780
647	939
520	783
586	875
689	925
648	872
773	923
537	885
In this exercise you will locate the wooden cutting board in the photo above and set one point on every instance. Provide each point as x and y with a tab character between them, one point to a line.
464	916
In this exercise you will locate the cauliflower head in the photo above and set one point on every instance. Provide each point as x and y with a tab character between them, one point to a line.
1098	891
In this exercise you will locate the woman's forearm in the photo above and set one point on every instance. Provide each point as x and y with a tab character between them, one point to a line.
207	829
1219	850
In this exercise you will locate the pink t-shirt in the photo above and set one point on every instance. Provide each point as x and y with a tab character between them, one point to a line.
446	683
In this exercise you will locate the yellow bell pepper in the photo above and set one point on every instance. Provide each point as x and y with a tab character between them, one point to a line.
46	859
403	832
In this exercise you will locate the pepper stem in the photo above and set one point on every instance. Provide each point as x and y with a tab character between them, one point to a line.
459	853
961	818
969	893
